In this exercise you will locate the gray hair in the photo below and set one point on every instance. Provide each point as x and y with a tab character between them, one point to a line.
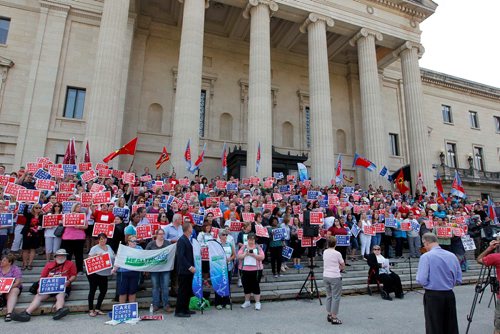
176	217
429	237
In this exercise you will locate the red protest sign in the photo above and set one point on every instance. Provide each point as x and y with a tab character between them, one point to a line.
12	189
73	219
145	178
333	200
235	226
166	187
4	179
101	166
268	183
277	196
248	216
184	182
42	184
128	178
6	284
144	232
137	206
429	224
152	217
88	176
379	228
47	207
56	172
405	226
300	233
97	263
84	166
306	242
444	232
63	197
296	209
220	184
108	229
104	173
269	206
204	253
188	195
67	186
316	218
215	211
458	231
51	220
255	180
96	188
215	232
369	230
101	198
290	178
28	196
261	231
32	167
118	173
86	198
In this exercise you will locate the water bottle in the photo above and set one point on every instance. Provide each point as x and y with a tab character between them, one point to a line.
151	309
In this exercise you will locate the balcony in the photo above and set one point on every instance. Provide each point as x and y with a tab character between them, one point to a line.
469	175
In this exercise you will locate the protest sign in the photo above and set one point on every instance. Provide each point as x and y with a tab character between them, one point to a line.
296	209
277	196
67	205
84	166
69	169
306	242
101	165
220	184
129	178
278	234
104	173
284	188
290	178
268	184
145	178
97	263
6	219
107	229
152	317
379	228
369	230
47	207
89	175
287	252
231	186
101	198
144	232
184	182
235	226
261	231
32	167
248	216
269	206
121	212
468	242
312	195
56	172
12	189
152	217
405	226
117	173
300	233
443	232
62	197
97	188
278	175
42	175
124	312
50	221
28	195
6	284
255	180
458	231
67	187
204	253
429	223
316	218
333	200
215	211
73	219
343	240
50	285
146	260
42	184
198	219
4	179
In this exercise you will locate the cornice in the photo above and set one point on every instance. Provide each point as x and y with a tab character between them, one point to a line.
459	84
407	7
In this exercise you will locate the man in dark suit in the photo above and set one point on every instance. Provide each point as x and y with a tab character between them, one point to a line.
185	270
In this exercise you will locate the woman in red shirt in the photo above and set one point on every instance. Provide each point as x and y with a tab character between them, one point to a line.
31	235
338	229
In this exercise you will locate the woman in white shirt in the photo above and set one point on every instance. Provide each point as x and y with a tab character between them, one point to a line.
365	239
52	243
332	265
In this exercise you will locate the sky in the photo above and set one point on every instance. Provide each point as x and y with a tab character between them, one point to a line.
462	38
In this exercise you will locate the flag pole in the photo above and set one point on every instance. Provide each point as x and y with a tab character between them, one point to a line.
131	164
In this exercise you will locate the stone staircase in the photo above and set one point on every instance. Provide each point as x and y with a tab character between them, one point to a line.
285	287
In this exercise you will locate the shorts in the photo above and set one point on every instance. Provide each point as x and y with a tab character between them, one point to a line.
497	318
129	283
67	293
32	242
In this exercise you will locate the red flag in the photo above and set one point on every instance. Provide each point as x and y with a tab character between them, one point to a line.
440	189
400	182
128	148
164	157
72	152
187	155
224	160
420	182
66	155
87	153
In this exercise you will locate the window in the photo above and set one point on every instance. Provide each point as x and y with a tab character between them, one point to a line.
4	29
308	127
446	110
451	150
478	158
474	120
394	143
497	123
59	158
203	104
75	102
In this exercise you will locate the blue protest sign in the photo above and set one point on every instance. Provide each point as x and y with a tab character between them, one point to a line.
415	226
287	252
323	203
284	189
348	190
348	231
391	222
312	194
149	185
123	312
121	212
20	209
231	186
279	234
198	219
355	230
50	285
381	217
343	240
69	169
278	176
295	198
67	205
41	174
6	219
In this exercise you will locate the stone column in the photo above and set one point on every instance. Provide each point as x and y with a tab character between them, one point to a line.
414	104
322	141
375	140
41	83
187	95
104	109
260	118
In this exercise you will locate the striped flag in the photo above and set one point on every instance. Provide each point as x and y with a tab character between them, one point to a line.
164	157
384	172
339	173
187	155
257	162
224	161
439	186
360	161
457	188
491	210
199	161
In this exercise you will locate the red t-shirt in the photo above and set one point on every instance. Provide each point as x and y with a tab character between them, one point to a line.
337	231
52	269
106	218
493	260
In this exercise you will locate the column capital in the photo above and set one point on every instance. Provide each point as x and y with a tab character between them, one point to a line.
408	45
207	3
313	18
365	32
273	6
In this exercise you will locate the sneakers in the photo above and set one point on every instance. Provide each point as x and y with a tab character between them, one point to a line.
299	266
219	307
22	317
283	268
275	276
246	304
239	283
257	306
61	313
385	295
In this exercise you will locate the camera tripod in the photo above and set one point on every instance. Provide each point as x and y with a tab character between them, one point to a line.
412	289
312	290
486	278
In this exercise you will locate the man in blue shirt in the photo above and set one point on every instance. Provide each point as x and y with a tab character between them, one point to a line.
438	272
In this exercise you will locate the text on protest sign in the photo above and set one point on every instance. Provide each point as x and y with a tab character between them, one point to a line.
343	240
129	178
406	226
468	243
369	230
4	179
101	165
248	216
50	221
120	212
28	196
88	176
97	188
41	175
101	198
278	234
97	263
12	189
67	186
50	285
379	228
261	231
42	184
444	232
6	284
235	226
105	173
84	166
123	312
306	242
144	232
67	205
6	219
287	252
73	219
198	219
108	229
215	211
32	167
316	218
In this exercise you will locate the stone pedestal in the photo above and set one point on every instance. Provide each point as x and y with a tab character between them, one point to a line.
260	119
322	141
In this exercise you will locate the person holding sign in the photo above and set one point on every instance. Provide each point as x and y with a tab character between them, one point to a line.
99	279
230	252
129	283
339	229
73	239
31	234
333	265
60	267
379	266
10	294
399	235
160	280
52	243
443	241
295	242
276	246
366	239
250	264
438	272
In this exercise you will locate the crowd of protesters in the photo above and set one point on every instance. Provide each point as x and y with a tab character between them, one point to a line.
375	218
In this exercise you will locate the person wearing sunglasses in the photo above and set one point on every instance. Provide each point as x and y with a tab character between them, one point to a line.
129	282
379	265
52	243
31	237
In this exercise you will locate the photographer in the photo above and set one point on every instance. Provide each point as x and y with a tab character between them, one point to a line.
492	260
475	228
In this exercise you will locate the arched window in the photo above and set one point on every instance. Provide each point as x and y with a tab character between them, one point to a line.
154	118
287	134
341	141
226	127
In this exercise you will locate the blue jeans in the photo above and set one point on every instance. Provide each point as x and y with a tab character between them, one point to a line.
376	239
161	282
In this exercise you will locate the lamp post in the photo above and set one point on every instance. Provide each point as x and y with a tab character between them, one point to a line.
441	157
470	160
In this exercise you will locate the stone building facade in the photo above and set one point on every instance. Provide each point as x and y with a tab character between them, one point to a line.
313	78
